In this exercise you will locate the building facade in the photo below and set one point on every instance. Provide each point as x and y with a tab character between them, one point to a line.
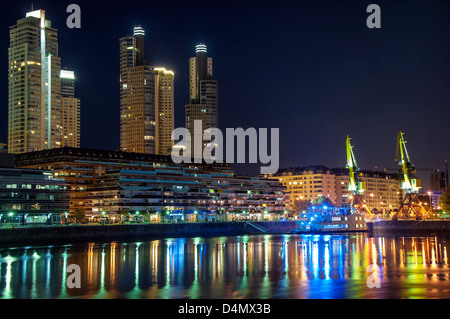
38	114
29	196
164	109
178	191
34	121
137	96
70	110
204	96
382	194
117	182
146	100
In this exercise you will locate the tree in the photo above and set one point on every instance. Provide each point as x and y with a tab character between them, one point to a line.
325	201
444	201
300	205
79	214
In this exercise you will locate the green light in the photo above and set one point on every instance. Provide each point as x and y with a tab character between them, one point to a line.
137	213
11	214
195	212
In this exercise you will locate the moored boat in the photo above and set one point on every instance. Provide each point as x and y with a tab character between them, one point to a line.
331	219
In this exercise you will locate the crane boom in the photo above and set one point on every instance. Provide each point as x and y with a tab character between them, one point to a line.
351	165
355	187
410	184
410	204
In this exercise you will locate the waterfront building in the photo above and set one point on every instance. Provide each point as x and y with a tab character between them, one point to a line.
146	182
164	109
36	112
204	96
382	194
188	193
30	196
70	110
311	183
306	183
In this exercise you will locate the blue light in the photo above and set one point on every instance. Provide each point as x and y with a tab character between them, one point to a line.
325	207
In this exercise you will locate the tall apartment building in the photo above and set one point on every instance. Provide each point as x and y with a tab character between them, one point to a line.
70	110
204	96
146	99
34	121
164	109
382	194
137	96
38	111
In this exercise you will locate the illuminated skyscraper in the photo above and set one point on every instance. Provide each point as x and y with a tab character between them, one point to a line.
164	104
70	110
146	100
34	121
137	96
203	95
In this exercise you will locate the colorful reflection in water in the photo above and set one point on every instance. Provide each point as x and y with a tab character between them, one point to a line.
260	266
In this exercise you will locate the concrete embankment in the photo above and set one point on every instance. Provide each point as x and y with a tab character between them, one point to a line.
69	234
409	226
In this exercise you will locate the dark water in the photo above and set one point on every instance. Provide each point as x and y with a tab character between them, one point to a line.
260	266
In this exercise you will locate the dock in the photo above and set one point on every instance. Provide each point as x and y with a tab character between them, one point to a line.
409	226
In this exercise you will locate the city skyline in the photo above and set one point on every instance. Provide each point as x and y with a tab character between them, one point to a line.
327	90
321	173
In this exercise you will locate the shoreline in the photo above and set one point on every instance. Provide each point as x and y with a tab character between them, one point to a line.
63	235
83	233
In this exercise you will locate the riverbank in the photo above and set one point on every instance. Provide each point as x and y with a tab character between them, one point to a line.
409	226
70	234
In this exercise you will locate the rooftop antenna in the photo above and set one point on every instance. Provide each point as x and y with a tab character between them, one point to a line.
32	7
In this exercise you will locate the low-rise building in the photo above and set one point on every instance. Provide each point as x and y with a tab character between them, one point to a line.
116	182
30	196
310	183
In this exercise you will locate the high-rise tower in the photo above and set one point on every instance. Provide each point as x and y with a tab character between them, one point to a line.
164	109
70	110
34	121
203	95
137	96
146	100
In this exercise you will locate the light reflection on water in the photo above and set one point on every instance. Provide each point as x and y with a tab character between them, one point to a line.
257	266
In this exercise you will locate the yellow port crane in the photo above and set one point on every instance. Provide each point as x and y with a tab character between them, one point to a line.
355	187
409	184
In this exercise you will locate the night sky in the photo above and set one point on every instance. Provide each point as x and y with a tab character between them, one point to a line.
311	68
